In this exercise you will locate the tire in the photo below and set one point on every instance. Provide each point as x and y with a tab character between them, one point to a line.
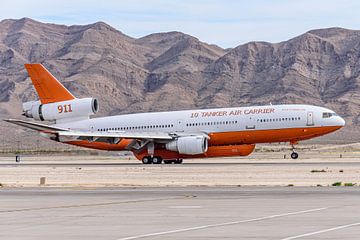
157	160
178	161
147	160
294	155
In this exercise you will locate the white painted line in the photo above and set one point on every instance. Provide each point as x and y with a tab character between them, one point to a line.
184	207
221	224
322	231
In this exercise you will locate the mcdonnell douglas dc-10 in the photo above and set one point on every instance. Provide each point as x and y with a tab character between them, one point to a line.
169	137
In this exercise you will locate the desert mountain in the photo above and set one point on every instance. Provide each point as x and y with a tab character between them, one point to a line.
169	71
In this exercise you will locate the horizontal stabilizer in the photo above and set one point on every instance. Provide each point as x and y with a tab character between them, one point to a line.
95	135
35	126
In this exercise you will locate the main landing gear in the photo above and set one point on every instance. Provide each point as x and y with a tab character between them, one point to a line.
294	155
175	161
159	160
152	160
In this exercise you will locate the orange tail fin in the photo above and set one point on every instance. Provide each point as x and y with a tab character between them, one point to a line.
47	86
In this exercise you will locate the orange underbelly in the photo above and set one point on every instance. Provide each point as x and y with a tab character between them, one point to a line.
225	139
213	151
267	136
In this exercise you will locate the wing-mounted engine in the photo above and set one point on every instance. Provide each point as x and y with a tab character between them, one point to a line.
76	108
189	145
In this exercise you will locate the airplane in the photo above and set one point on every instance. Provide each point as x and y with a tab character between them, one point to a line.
169	137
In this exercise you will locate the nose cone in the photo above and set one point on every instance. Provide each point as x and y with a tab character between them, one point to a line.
341	121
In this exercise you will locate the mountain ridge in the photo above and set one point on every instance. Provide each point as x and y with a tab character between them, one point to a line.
173	70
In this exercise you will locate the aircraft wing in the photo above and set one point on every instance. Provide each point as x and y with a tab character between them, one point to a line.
116	134
94	135
140	139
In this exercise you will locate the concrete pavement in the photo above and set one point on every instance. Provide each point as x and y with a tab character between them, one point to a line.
180	213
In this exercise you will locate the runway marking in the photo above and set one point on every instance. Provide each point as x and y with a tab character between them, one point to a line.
93	204
222	224
322	231
184	207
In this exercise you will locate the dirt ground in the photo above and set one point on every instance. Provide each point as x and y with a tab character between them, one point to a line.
318	165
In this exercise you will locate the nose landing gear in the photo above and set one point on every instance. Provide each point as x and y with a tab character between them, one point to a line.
294	155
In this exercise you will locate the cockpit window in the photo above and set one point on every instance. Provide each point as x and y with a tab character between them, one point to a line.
328	114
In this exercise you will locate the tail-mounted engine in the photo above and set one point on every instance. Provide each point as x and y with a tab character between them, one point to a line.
76	108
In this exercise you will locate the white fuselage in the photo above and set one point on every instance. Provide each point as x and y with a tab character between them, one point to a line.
218	120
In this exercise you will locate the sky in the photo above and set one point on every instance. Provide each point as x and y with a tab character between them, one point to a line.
227	23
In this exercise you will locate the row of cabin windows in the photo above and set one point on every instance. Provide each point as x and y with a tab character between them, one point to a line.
136	127
279	119
196	124
210	123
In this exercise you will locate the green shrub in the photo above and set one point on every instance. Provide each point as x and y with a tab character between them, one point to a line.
316	171
336	184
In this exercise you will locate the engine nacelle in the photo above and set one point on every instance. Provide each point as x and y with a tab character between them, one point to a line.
189	145
76	108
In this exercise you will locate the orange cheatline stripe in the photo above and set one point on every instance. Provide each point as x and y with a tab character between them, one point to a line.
239	143
47	86
269	135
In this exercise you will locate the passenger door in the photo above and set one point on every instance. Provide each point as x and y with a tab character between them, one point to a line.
179	126
310	119
250	124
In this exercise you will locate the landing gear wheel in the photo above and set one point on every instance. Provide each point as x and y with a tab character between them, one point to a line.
168	161
147	160
178	161
157	160
294	155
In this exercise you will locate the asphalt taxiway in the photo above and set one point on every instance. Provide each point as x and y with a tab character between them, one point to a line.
180	213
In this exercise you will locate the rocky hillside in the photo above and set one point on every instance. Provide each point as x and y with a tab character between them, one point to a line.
168	71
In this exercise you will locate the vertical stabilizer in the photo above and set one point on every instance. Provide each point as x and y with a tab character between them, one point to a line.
48	88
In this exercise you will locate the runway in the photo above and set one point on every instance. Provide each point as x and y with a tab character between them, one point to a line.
192	164
109	171
180	213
